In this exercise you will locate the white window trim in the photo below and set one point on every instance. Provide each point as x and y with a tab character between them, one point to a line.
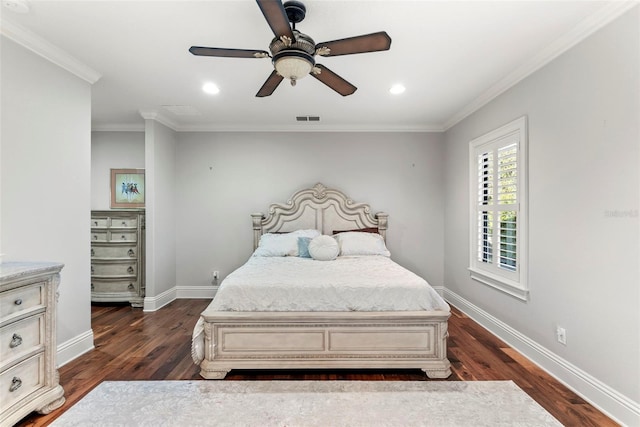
517	285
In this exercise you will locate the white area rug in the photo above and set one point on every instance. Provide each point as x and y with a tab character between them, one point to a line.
306	403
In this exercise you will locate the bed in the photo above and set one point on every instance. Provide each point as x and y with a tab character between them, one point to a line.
296	311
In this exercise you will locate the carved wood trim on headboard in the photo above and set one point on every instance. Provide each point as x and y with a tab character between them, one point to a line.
321	208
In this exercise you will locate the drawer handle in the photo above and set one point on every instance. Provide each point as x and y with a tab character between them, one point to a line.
15	341
92	269
92	287
124	223
18	301
96	223
93	252
131	253
95	237
130	270
16	383
131	287
124	237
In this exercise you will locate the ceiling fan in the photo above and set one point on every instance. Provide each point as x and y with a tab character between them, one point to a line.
293	53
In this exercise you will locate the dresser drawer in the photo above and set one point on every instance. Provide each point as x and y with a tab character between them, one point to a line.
124	222
20	300
99	236
20	381
20	338
99	222
114	269
115	251
123	236
101	286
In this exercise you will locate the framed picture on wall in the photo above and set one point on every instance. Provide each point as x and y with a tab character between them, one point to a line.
127	188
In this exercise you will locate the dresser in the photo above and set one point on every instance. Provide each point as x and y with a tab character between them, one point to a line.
28	371
117	256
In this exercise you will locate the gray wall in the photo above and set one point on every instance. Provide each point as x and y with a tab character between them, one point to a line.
161	220
583	111
117	150
45	180
223	177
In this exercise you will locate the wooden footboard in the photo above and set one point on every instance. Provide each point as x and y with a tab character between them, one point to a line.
329	340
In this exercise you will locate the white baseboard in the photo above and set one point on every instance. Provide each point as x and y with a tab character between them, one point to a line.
74	348
612	403
157	302
179	292
196	292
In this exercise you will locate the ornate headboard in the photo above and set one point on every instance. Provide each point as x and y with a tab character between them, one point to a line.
321	208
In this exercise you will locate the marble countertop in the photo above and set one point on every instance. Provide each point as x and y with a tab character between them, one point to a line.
13	270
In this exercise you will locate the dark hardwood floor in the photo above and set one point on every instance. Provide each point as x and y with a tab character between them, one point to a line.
132	345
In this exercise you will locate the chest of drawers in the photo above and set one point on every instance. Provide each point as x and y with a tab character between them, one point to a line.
117	256
28	371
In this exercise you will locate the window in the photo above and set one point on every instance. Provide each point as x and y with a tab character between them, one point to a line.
498	185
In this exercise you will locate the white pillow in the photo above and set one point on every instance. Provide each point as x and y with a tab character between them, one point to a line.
324	248
285	244
356	243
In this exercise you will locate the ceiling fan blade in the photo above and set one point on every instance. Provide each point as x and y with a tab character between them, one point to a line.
276	17
270	85
228	53
360	44
334	81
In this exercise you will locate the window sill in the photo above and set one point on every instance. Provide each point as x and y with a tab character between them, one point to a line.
500	283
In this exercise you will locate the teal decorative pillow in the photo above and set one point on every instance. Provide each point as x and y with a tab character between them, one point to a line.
303	247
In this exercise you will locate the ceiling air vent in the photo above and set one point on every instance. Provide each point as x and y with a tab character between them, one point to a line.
308	118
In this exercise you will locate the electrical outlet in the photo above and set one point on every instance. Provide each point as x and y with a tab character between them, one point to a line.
561	335
216	274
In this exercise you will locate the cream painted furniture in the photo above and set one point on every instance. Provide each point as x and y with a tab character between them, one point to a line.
28	372
312	340
117	256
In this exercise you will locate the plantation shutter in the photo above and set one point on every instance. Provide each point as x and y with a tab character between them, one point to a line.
497	181
485	207
508	206
497	210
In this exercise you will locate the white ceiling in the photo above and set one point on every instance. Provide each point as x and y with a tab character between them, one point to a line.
452	56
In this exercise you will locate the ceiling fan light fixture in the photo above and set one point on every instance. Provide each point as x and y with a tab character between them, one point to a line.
295	60
293	53
293	67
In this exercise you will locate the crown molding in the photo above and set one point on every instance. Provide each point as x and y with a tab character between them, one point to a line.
306	128
118	127
583	30
152	115
47	50
160	118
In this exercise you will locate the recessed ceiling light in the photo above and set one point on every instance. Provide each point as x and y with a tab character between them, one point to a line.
210	88
397	89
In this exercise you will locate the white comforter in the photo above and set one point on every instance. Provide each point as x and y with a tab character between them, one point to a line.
363	283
